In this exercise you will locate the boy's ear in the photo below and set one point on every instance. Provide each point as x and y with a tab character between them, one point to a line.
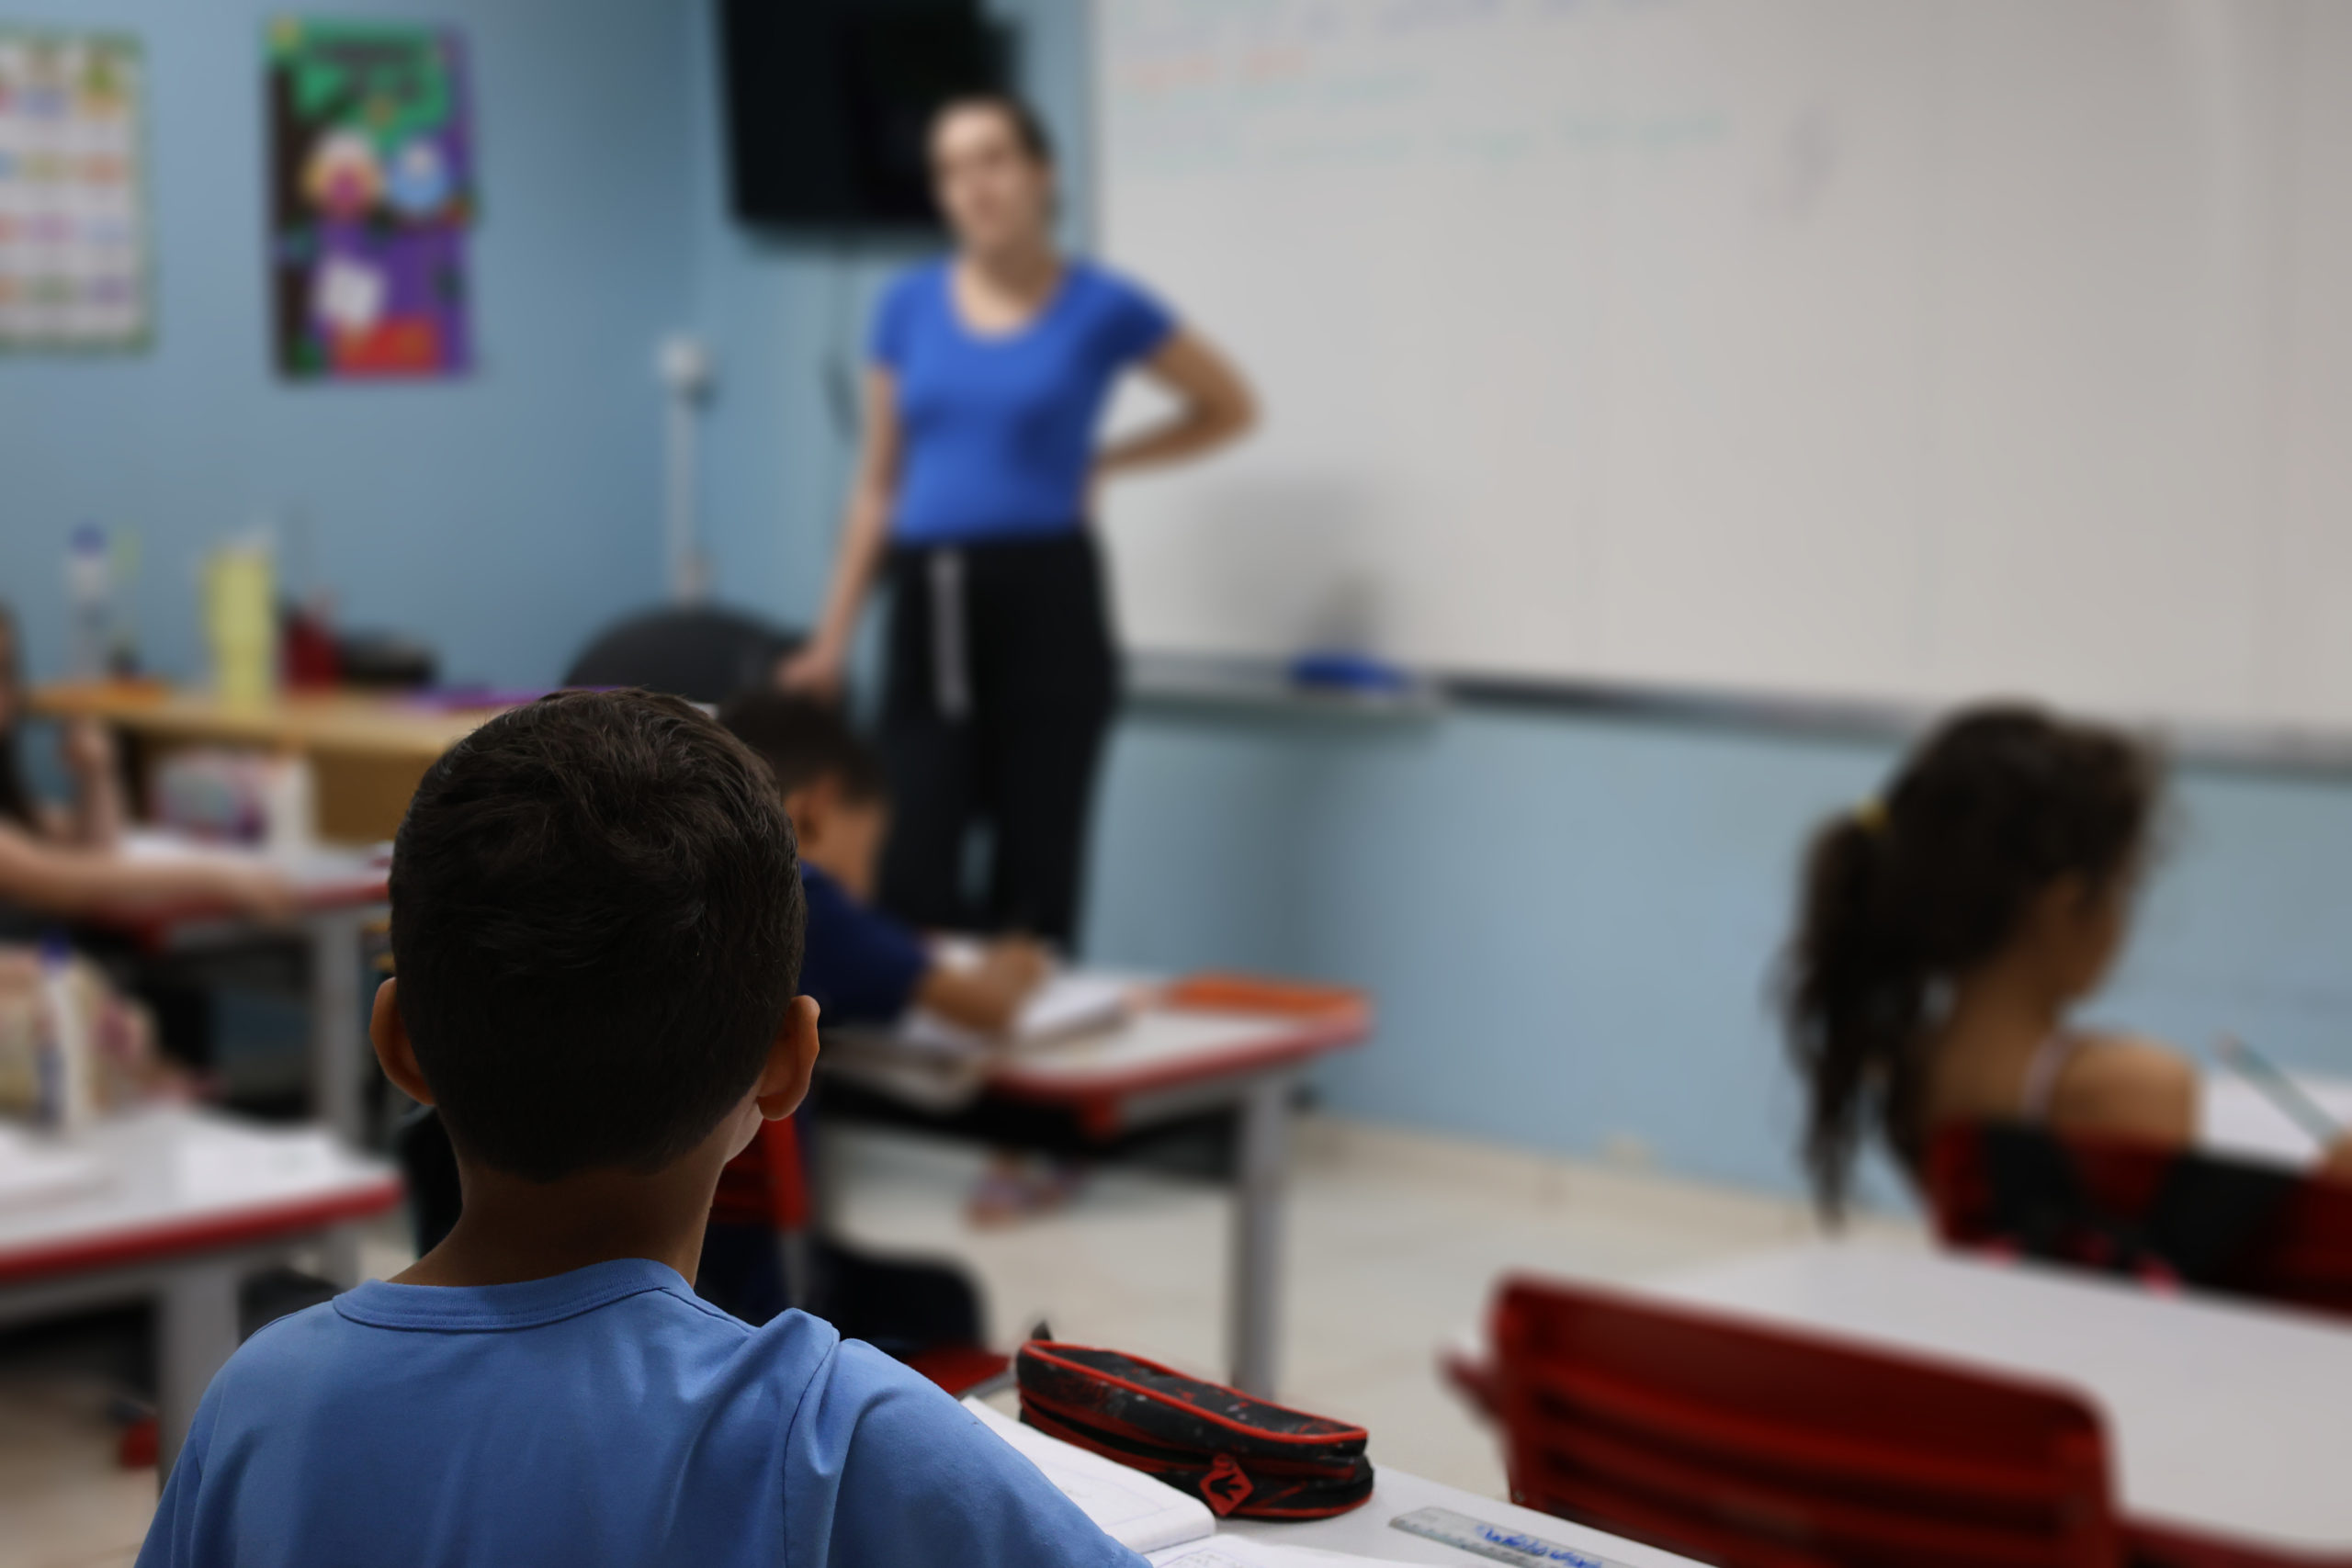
792	1057
808	804
388	1033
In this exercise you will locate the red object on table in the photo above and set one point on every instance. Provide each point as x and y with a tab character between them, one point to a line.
2300	1254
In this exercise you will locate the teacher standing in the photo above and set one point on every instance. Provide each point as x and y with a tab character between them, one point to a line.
975	494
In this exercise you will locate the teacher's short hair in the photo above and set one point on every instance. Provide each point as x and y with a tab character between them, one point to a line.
1028	128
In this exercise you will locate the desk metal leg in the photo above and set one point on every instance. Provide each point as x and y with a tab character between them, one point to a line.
1261	1158
196	1333
338	1044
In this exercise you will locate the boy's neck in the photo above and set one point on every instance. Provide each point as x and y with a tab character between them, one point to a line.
512	1229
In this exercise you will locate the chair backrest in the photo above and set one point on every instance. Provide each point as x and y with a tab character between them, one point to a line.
2224	1225
767	1184
701	653
1754	1447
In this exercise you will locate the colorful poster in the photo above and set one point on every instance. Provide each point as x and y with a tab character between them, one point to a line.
371	164
72	212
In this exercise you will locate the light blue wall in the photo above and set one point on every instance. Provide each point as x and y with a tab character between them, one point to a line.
1569	921
501	517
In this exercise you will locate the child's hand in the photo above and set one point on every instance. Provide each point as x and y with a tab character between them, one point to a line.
1018	963
257	891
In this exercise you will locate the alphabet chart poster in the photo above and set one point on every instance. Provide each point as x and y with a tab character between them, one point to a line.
73	241
371	165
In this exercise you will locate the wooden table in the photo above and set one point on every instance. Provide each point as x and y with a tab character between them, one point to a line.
1161	1064
366	751
178	1206
2225	1417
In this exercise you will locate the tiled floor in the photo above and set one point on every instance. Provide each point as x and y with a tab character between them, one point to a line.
1394	1242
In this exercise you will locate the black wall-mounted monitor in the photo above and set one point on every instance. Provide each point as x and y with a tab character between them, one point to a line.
828	102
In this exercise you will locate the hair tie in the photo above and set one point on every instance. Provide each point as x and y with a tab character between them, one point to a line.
1871	816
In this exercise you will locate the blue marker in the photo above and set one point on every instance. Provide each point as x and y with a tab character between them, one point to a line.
1492	1541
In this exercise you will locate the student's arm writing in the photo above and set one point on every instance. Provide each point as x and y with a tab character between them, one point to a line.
988	995
865	534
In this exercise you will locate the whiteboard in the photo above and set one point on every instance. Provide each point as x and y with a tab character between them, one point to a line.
1890	349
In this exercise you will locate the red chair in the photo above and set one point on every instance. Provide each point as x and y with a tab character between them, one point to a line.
2221	1223
1759	1449
766	1187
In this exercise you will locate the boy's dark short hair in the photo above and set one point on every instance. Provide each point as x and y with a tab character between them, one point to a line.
802	740
598	921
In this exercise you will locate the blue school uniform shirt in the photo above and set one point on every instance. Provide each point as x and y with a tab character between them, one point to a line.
999	431
606	1415
861	966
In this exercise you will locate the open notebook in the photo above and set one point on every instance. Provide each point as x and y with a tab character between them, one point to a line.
1174	1530
1065	1004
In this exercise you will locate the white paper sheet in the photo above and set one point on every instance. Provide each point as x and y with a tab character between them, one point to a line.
1137	1512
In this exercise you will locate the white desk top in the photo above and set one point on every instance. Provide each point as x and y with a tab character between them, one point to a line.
2234	1117
171	1179
1157	1047
1366	1532
2225	1418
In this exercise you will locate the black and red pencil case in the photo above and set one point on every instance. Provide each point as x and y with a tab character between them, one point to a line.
1239	1454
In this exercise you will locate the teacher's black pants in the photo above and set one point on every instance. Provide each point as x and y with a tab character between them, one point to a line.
1001	686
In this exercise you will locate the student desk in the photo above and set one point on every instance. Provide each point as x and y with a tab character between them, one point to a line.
1161	1065
2225	1418
337	897
366	751
338	894
1366	1532
175	1206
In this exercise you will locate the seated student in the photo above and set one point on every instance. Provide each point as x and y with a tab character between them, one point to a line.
1948	931
598	924
62	861
863	967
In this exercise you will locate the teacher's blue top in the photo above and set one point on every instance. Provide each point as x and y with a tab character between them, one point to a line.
999	430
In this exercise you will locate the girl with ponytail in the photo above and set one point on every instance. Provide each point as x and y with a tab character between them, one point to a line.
1947	930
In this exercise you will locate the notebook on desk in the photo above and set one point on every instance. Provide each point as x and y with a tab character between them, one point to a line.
1069	1002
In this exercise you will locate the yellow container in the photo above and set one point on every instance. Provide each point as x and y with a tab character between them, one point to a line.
241	622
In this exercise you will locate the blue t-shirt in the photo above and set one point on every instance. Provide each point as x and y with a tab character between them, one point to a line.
998	432
861	966
606	1415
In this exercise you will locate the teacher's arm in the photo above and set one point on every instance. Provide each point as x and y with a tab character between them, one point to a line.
1215	407
866	533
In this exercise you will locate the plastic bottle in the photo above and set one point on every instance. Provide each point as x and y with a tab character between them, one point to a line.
89	593
66	1090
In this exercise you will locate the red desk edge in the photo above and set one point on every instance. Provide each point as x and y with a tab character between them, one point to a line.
1095	1096
160	1241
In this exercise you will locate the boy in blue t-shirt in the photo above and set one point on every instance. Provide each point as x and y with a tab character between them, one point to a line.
597	926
